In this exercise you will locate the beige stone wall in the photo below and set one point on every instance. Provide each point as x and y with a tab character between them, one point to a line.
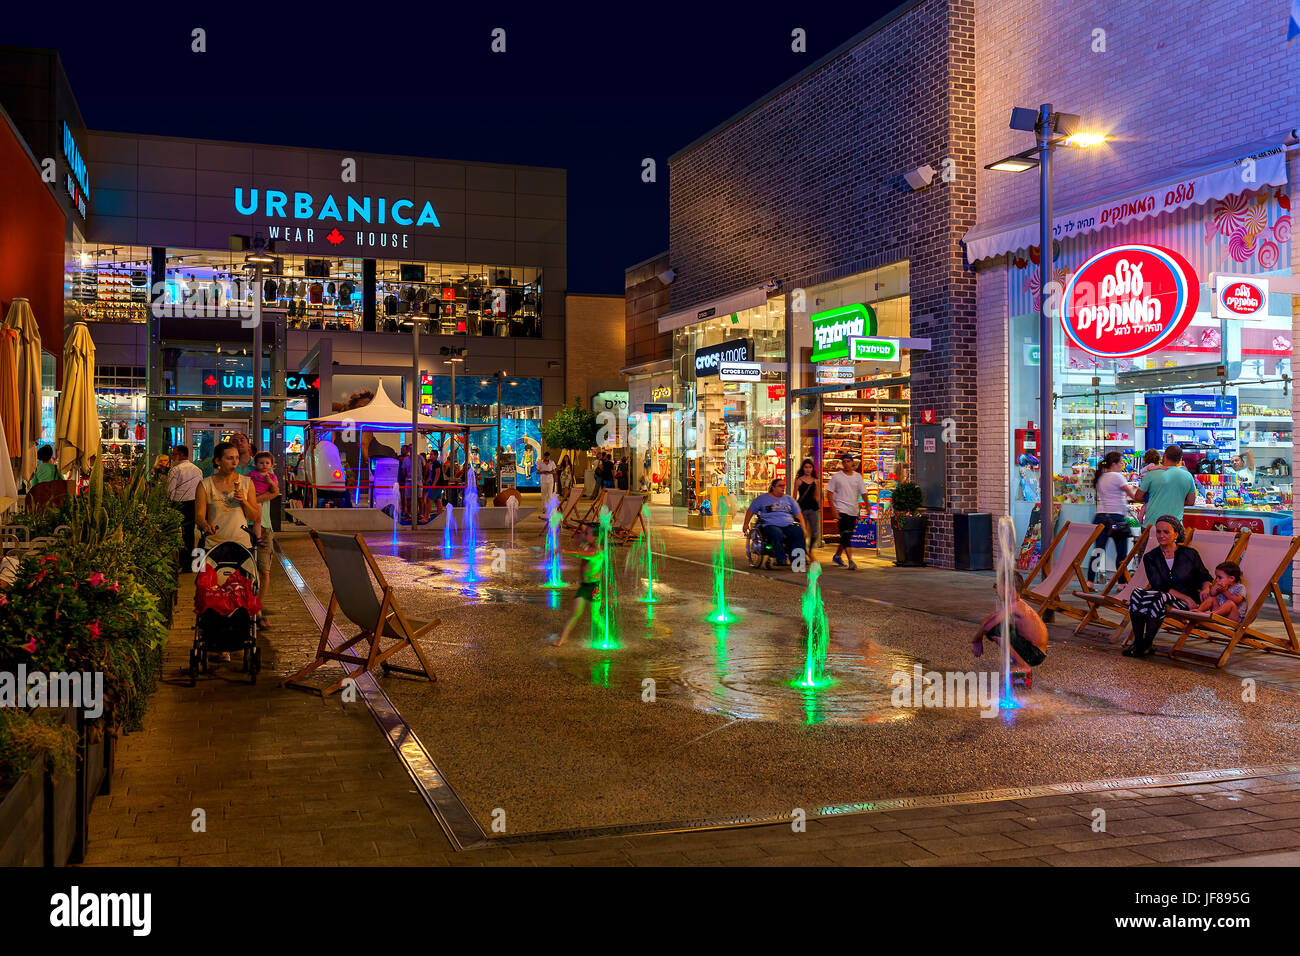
594	345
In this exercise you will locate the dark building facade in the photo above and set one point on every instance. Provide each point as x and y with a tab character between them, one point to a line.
800	206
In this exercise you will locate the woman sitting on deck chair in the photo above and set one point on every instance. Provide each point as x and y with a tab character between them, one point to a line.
1175	573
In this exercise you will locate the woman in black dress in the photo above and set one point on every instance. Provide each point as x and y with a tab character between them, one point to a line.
807	492
1175	573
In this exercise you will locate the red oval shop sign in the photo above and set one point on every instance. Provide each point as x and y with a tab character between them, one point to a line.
1243	298
1129	300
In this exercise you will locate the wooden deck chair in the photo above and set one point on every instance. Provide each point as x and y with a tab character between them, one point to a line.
1263	562
568	510
628	518
1115	594
379	618
1214	548
609	498
1074	540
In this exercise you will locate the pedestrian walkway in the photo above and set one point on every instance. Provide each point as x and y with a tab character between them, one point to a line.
284	778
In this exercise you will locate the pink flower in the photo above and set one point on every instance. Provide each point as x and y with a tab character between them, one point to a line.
97	578
30	646
3	600
49	558
94	629
113	587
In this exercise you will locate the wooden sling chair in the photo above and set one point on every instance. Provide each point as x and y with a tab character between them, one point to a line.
568	510
1114	596
1214	547
1074	540
628	518
1264	561
348	559
609	498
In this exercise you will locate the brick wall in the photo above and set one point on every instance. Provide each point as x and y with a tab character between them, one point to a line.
646	299
808	186
1215	77
593	346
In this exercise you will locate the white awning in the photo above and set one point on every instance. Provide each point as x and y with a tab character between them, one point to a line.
1248	172
725	305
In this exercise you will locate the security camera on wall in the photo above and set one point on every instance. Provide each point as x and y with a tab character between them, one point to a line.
919	178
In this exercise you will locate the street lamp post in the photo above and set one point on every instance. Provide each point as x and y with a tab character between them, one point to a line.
1050	130
458	356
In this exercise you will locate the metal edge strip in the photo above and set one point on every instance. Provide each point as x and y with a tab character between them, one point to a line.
462	830
1183	778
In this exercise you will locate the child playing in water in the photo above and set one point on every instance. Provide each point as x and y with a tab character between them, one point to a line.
1027	631
585	548
1226	595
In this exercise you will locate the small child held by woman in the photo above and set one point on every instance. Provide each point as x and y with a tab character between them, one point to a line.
1226	594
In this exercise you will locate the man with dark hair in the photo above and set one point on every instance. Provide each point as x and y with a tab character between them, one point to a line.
182	482
1167	490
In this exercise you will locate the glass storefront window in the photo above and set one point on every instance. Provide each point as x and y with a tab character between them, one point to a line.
732	434
460	299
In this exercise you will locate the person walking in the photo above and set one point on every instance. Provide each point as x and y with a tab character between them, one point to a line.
183	477
808	493
225	503
846	488
546	471
1113	495
1167	490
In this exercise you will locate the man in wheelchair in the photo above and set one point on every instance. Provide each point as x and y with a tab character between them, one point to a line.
779	521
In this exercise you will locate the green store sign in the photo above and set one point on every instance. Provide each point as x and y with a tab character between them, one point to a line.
833	329
875	350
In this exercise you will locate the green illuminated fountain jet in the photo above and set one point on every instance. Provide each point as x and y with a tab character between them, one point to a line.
720	613
604	619
642	556
818	633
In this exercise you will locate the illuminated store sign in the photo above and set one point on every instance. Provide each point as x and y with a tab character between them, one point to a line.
710	357
875	350
833	328
1129	300
78	180
1240	297
375	211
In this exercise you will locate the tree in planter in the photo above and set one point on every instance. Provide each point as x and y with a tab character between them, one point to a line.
909	524
572	428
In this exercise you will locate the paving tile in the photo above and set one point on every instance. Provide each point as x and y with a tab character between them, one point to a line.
1183	850
1119	856
1221	818
1262	840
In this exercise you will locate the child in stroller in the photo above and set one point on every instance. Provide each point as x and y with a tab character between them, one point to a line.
226	606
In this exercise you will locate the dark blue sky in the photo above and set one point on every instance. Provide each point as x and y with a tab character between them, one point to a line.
421	80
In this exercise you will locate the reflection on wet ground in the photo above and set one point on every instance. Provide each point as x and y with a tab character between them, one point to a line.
743	670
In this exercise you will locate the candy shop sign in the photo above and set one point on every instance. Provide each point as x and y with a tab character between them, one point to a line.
1129	300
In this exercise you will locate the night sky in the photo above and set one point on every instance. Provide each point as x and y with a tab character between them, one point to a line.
420	80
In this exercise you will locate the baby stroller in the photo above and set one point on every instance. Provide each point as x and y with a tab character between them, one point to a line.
226	606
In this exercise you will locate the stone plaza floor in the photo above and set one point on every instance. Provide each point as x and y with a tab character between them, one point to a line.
560	747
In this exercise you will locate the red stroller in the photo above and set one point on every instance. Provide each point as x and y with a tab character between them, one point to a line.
226	607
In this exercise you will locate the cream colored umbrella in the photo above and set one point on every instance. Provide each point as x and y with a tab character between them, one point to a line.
76	421
22	320
8	487
10	447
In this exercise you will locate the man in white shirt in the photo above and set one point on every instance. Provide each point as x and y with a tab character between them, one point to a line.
183	479
845	488
546	469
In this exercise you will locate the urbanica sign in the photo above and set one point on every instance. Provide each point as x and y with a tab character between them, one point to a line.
304	207
833	329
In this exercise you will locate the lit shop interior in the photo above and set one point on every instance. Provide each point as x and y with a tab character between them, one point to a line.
112	285
731	434
870	415
1222	392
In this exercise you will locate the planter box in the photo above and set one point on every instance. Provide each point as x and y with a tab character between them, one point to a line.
22	821
64	824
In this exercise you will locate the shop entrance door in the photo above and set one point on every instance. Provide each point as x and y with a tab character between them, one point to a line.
202	435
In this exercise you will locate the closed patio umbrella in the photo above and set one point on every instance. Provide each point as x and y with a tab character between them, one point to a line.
76	421
9	393
8	487
21	319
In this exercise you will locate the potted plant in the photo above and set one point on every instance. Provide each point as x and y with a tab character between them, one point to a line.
36	749
909	525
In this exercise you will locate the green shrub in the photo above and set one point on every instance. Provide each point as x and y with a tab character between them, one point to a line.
907	498
29	738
